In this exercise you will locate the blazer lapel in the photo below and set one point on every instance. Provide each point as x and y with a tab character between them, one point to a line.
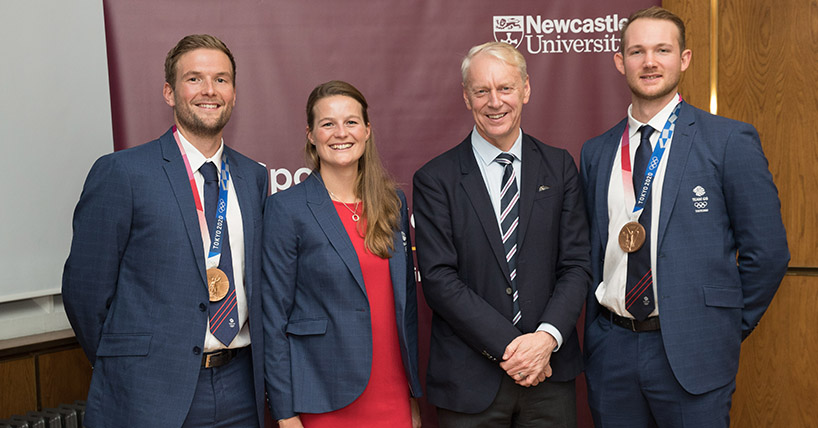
677	160
530	179
180	183
607	161
325	215
475	189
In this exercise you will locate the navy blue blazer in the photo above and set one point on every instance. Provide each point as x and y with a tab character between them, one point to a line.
465	275
317	327
134	285
708	303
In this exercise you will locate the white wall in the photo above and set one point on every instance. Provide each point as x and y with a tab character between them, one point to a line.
55	120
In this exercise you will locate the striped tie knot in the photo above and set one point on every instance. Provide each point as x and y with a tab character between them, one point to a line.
504	159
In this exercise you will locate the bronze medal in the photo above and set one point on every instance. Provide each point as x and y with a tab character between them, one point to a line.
631	237
217	284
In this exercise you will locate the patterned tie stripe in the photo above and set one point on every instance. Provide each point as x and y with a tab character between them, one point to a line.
644	283
509	219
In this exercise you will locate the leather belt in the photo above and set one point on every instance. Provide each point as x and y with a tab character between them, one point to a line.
219	358
650	324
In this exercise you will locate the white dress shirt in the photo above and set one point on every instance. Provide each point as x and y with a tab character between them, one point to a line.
611	291
235	229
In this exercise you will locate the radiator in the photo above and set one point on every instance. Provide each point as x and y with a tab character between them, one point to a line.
63	416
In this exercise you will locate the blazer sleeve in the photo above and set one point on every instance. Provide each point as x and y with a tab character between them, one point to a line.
755	216
101	226
279	262
474	320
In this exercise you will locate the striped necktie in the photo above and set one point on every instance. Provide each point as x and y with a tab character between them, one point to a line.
509	219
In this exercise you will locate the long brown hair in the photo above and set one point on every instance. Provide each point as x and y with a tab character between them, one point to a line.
373	185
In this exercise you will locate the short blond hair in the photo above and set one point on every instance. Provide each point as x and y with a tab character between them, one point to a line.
500	50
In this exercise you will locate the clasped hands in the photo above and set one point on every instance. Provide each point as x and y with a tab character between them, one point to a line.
527	359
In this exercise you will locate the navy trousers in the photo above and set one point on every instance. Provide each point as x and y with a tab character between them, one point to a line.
224	396
631	384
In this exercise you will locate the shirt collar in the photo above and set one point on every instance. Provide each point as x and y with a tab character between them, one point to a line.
487	152
657	122
196	159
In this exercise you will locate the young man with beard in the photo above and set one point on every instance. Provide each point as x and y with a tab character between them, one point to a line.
687	244
159	285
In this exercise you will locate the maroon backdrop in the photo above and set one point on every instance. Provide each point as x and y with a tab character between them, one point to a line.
405	58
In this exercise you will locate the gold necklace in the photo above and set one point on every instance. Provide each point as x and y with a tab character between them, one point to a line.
355	216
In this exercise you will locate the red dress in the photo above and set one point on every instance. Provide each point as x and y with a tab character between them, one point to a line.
385	401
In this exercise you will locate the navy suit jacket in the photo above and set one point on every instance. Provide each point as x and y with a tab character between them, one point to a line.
465	275
316	313
708	303
134	284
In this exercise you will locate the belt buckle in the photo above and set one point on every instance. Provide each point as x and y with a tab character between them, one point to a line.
632	323
207	359
213	358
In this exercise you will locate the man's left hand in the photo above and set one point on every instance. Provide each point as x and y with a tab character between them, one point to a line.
527	358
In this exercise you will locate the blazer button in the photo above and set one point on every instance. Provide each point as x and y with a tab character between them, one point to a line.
197	350
202	307
508	291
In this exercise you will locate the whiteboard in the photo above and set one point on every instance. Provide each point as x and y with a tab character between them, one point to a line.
55	120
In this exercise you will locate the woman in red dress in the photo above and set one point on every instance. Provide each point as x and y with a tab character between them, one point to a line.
340	305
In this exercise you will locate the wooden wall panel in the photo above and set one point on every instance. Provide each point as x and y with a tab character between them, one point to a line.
18	390
695	84
768	53
777	383
65	376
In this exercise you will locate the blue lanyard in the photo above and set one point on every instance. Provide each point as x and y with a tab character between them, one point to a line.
655	159
221	214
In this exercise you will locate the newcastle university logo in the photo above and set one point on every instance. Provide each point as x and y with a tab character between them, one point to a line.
509	29
537	34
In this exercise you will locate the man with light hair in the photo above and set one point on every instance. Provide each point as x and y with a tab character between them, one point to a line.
502	247
687	244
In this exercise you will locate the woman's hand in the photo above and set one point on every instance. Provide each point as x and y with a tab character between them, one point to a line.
416	422
293	422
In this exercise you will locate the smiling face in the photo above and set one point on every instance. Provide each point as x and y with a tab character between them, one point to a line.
204	93
652	60
495	92
339	132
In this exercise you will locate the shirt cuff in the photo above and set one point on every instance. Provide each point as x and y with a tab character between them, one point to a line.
550	329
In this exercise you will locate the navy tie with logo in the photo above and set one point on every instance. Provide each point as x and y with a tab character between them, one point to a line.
639	288
224	314
509	218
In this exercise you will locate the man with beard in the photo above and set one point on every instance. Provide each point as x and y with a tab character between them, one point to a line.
159	285
687	244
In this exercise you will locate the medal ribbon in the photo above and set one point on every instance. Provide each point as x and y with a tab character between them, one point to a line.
653	164
215	253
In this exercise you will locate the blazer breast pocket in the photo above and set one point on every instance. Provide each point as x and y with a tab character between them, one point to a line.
544	191
124	345
307	327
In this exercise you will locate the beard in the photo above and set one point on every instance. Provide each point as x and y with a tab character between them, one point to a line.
194	124
656	93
